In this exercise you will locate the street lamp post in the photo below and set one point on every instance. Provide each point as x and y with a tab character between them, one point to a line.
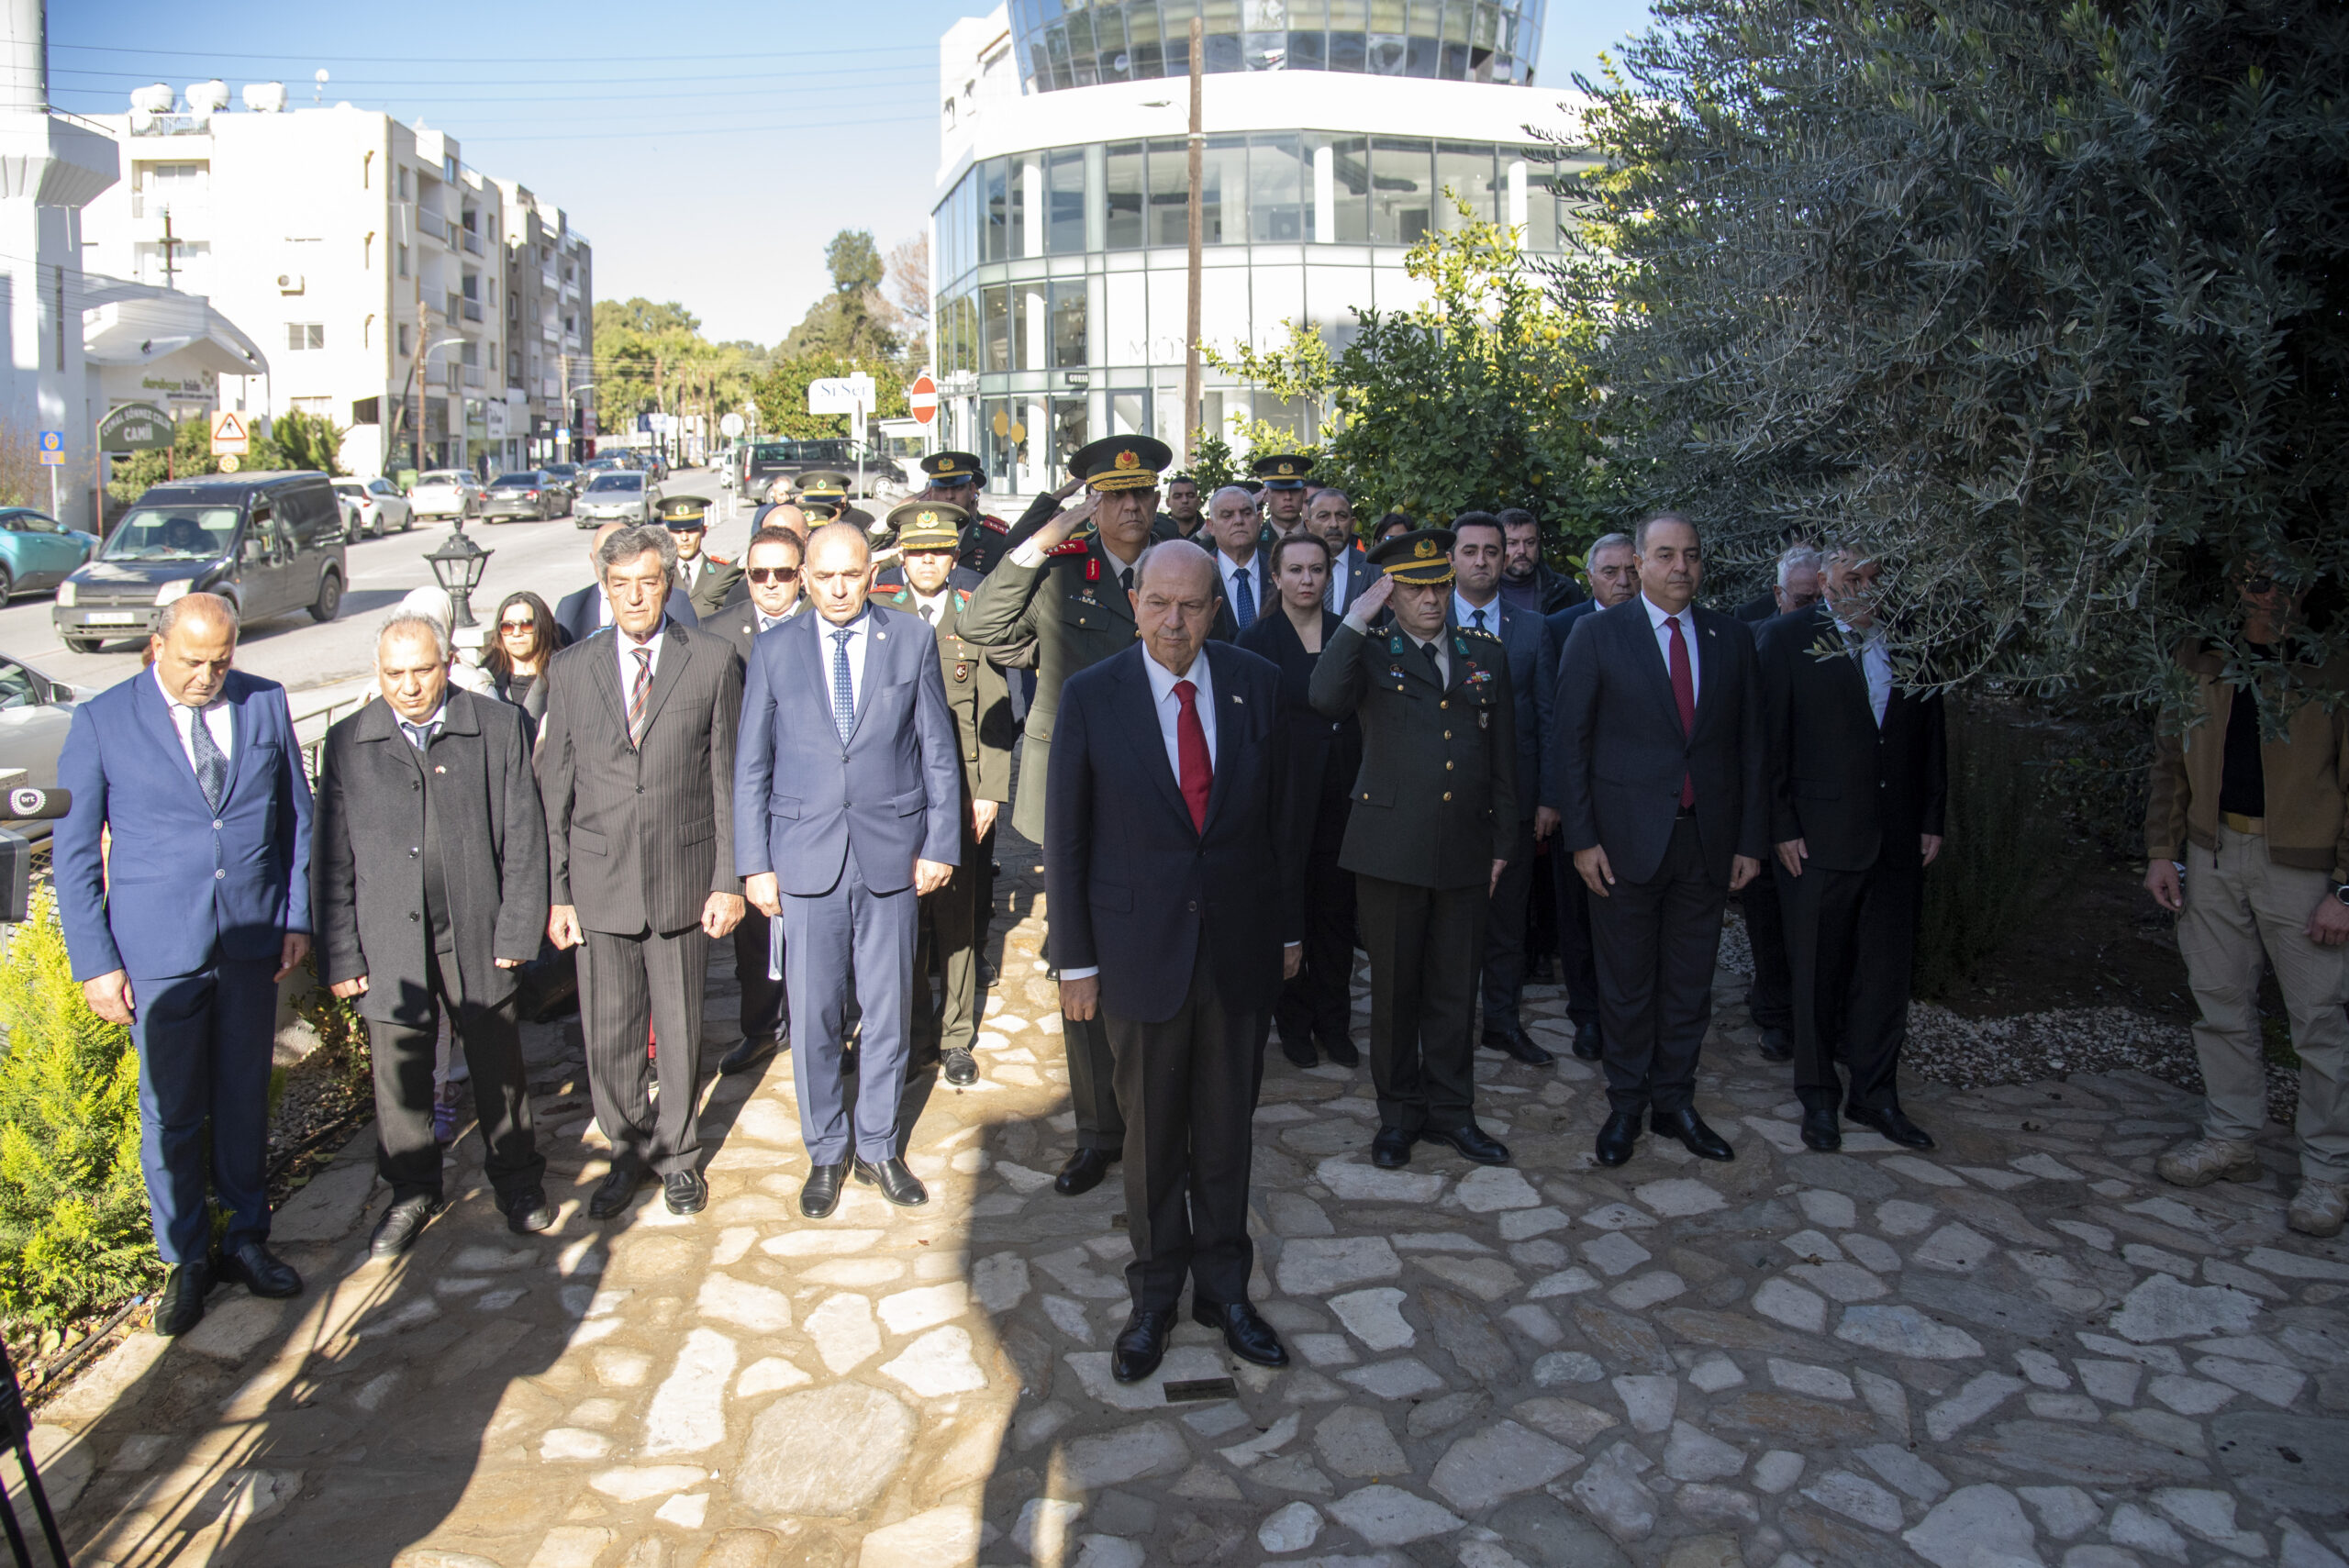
457	567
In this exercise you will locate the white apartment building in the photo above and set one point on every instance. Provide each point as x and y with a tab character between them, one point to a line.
368	260
1334	128
548	333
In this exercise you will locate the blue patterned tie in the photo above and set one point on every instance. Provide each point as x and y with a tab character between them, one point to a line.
1243	599
211	763
843	688
1480	620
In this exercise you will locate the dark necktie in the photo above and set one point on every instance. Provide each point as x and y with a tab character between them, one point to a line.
1684	694
1191	745
640	691
1244	598
843	687
418	735
211	763
1480	620
1435	663
1126	579
930	614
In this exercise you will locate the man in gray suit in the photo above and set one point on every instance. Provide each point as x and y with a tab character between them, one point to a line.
1331	514
636	763
848	801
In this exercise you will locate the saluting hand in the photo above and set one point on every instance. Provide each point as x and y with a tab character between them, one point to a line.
1054	534
1373	599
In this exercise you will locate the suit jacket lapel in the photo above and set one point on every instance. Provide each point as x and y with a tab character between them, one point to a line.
1231	724
156	712
879	648
1140	713
1650	656
240	741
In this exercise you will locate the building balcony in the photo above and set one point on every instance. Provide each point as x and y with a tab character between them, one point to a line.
472	308
432	223
471	241
473	375
548	280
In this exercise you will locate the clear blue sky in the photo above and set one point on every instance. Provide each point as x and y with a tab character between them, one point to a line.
708	147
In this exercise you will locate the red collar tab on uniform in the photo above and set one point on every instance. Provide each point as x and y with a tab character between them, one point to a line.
1092	569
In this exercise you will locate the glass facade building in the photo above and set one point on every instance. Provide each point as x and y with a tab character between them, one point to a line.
1082	43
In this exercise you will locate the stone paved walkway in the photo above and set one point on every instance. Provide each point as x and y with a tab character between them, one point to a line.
2021	1350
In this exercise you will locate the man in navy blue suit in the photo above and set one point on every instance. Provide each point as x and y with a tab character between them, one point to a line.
183	926
1612	568
848	806
1177	911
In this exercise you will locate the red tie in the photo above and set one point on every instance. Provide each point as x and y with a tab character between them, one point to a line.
1191	745
1684	692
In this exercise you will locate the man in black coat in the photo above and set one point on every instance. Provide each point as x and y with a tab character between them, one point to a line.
1858	781
430	867
1175	890
1663	792
1771	997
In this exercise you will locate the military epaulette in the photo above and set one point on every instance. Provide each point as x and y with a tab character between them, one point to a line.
716	559
899	598
994	524
962	598
1472	631
1075	547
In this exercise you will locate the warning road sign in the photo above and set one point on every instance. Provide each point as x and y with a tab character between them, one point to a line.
229	436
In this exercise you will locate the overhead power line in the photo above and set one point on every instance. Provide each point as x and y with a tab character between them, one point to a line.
441	59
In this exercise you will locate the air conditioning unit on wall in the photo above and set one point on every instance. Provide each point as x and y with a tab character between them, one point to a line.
291	283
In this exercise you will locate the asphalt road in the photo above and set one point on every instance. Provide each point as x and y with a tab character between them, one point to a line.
549	558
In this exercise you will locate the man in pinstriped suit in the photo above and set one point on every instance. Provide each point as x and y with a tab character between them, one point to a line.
636	763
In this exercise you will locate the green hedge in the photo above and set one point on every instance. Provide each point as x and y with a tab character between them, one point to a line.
2004	850
73	1228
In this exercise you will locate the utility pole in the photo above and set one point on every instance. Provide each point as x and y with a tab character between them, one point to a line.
171	251
1198	218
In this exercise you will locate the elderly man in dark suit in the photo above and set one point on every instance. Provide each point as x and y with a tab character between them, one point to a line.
1330	513
635	767
1665	806
767	596
183	926
1612	568
848	803
429	863
1770	999
1173	878
587	611
1243	569
1478	554
1858	779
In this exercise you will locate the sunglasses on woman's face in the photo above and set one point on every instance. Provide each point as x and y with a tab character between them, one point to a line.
510	626
762	575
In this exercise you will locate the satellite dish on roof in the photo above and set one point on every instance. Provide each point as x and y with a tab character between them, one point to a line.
207	97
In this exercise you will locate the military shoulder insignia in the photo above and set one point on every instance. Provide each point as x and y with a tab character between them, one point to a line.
718	560
1074	547
994	524
1488	636
962	598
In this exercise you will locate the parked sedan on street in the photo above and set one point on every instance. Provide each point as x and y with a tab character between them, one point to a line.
524	493
376	506
445	493
621	496
36	551
34	713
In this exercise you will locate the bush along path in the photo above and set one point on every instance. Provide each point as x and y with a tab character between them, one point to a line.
2020	1349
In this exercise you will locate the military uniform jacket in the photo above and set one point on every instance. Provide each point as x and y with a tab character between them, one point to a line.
1435	804
711	580
1072	608
977	694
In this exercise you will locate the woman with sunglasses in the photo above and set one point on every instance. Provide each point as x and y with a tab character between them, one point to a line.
517	658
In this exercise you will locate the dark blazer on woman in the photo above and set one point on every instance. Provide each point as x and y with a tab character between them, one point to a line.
1324	754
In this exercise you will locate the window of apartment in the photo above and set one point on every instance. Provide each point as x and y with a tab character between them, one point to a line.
448	168
407	183
301	335
403	338
401	252
470	352
473	285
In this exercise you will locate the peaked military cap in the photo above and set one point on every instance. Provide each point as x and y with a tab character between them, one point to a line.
684	514
1283	471
951	468
823	485
1424	555
1121	462
927	525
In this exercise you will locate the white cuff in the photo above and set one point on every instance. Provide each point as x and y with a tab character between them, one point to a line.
1027	555
1085	974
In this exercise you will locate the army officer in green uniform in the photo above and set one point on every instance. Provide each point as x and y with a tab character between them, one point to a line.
706	579
1434	820
929	537
1065	591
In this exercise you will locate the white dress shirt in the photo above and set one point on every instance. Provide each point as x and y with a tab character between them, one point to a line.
1687	619
860	637
1464	614
1875	665
932	607
1170	708
1232	572
625	646
217	719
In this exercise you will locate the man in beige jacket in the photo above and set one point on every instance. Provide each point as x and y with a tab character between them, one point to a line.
2260	824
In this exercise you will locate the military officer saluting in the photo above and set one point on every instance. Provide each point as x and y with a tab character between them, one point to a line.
955	479
1433	821
929	535
704	579
1066	592
1284	476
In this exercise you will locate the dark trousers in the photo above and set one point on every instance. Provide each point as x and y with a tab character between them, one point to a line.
1657	943
1852	944
1425	944
632	988
946	930
1189	1085
849	935
1578	963
1504	973
763	1011
1541	904
407	1156
982	893
1771	997
1093	1083
205	1042
1316	1003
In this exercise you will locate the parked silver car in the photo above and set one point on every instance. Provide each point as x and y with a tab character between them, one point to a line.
375	506
36	712
445	493
617	496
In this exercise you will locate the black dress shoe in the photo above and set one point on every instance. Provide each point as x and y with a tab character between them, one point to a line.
1777	1045
684	1192
748	1054
1685	1125
401	1225
526	1213
181	1306
1893	1123
1819	1129
899	1185
1341	1049
1300	1052
822	1192
1245	1334
1515	1043
613	1193
1588	1047
1140	1345
1392	1147
260	1271
1083	1171
1542	971
1618	1137
1472	1142
961	1068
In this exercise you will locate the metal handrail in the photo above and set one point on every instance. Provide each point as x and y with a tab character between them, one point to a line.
325	717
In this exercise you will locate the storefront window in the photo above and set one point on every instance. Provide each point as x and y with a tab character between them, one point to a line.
1068	325
1280	190
1124	188
1400	191
1002	216
996	355
1463	172
1064	201
1170	193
